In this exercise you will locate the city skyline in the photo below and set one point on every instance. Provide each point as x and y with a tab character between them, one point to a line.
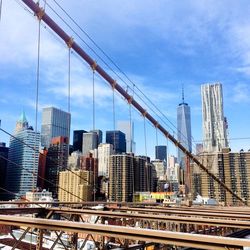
189	64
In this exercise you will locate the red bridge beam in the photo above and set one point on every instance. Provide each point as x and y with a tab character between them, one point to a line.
40	13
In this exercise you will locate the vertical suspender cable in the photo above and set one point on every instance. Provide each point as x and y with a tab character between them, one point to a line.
93	117
69	94
1	6
146	153
37	95
93	94
114	118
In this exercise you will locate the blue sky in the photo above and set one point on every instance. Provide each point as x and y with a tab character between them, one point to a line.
159	44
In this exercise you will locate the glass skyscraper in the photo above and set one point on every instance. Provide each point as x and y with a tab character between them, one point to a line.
55	122
23	159
161	152
183	130
117	139
128	130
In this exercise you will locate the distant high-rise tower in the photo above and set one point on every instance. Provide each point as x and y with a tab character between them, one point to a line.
55	122
183	129
57	160
77	139
117	139
104	152
121	181
99	135
23	165
128	130
213	121
89	142
161	152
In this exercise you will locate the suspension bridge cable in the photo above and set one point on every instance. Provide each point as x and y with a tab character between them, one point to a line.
69	93
37	91
118	74
93	97
112	61
106	64
106	76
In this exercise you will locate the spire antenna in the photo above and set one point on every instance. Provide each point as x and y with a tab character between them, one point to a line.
182	93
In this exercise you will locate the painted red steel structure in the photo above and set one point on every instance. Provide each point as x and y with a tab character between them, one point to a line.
40	13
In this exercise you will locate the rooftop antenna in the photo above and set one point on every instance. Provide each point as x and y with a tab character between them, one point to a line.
182	93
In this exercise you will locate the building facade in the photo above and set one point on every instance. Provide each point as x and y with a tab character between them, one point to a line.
57	160
184	130
23	159
121	178
104	152
77	139
89	142
75	186
160	168
213	121
99	135
55	122
128	129
233	168
161	152
117	139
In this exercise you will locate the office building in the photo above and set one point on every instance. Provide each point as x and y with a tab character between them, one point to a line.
213	121
161	153
183	130
104	152
128	129
75	186
117	139
77	139
74	160
89	163
42	168
121	181
89	142
55	122
23	159
99	135
140	174
4	151
57	160
160	168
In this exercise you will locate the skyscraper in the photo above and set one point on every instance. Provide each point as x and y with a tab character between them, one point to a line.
213	121
121	181
55	122
89	142
117	139
104	152
183	129
57	160
23	159
99	135
77	139
124	126
161	153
